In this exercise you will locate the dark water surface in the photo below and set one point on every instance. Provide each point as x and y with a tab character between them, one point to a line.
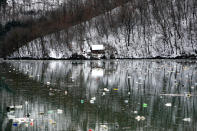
115	95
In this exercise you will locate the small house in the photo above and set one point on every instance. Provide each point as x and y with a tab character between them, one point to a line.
97	51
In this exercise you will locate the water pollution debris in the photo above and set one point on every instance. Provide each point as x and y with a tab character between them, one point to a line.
116	89
145	105
26	103
92	100
13	108
139	118
59	111
185	95
52	122
106	89
27	115
103	93
82	101
50	111
41	113
126	101
32	124
15	124
66	92
48	83
168	104
129	93
22	120
104	127
187	119
135	112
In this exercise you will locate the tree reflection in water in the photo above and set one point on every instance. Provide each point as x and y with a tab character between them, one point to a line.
120	89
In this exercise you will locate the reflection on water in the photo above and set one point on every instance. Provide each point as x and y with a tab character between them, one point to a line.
98	95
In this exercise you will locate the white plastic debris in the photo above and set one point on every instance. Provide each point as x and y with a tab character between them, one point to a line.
138	118
129	93
92	101
19	107
104	127
66	92
105	89
135	112
126	101
48	83
93	98
59	111
187	119
168	104
26	102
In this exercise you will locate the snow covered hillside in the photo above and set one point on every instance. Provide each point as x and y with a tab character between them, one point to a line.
23	9
140	29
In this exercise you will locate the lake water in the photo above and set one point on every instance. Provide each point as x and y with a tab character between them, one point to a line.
114	95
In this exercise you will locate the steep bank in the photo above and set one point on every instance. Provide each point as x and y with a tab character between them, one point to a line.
139	29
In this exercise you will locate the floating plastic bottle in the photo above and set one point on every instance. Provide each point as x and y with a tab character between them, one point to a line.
145	105
82	101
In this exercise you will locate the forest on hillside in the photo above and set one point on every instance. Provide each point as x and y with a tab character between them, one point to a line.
127	28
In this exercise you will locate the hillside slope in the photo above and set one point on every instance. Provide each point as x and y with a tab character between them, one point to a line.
139	29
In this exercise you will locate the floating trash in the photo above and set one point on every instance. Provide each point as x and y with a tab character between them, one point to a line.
48	83
66	92
139	118
92	101
26	125
28	115
104	127
145	105
135	112
168	104
54	123
90	130
18	107
105	89
41	113
26	102
15	124
31	124
103	94
82	101
50	121
187	119
10	108
59	111
126	101
192	87
116	89
50	111
93	98
188	95
129	93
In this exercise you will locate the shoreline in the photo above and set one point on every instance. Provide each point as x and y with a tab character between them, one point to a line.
156	58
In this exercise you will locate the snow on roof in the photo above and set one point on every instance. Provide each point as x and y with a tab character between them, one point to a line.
97	47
